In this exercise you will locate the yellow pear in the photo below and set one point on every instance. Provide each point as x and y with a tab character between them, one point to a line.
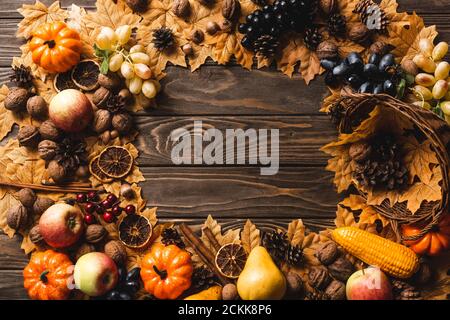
212	293
261	279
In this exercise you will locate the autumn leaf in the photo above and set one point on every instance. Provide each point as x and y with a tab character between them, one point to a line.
26	60
226	45
150	214
250	236
216	230
231	236
296	232
76	21
396	19
7	119
344	217
7	202
36	14
418	158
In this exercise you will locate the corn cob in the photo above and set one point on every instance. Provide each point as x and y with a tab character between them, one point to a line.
391	257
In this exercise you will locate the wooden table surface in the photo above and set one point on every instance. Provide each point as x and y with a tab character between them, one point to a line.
224	97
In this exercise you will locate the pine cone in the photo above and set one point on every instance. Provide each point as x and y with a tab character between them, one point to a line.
203	278
369	9
22	75
70	154
171	236
163	38
316	295
259	2
266	46
362	6
336	112
337	25
276	244
294	255
115	104
312	38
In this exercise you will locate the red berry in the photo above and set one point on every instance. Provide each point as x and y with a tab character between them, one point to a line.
111	198
106	204
89	219
90	207
81	198
116	210
130	209
108	217
92	195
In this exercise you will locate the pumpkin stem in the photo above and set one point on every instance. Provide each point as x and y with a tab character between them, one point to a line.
161	273
43	276
50	43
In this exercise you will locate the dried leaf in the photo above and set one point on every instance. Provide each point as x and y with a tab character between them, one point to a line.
36	14
216	230
76	21
226	45
250	236
27	246
6	117
26	60
344	217
418	158
296	232
231	236
7	202
150	214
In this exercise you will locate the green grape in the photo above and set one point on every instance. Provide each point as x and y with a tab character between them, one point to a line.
425	79
123	34
142	71
126	69
445	107
440	89
422	93
442	70
135	85
440	51
137	48
425	63
103	42
422	104
140	57
115	62
149	89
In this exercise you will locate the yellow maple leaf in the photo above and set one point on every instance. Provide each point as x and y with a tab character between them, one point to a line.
26	60
75	21
7	118
344	217
159	13
36	14
396	19
418	158
250	236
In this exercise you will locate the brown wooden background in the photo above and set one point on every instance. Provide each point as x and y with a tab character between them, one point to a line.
225	97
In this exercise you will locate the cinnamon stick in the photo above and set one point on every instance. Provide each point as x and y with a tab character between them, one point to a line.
212	239
40	187
203	252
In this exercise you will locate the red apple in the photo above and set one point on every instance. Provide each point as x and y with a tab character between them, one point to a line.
369	284
70	110
61	225
95	274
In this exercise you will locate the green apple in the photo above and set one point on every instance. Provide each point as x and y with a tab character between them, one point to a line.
95	274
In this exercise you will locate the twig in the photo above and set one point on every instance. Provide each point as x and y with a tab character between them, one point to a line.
40	187
212	239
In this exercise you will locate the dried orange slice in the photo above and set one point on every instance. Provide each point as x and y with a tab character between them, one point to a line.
135	231
230	260
96	172
115	162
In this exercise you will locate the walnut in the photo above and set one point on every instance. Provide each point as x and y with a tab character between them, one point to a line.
17	217
28	136
359	33
410	67
35	235
41	204
137	5
26	196
102	120
16	100
181	8
122	122
197	36
37	107
116	251
327	50
101	96
294	284
82	250
327	253
230	9
336	290
56	171
105	137
187	49
328	6
319	278
379	47
341	269
359	151
126	95
49	131
110	81
126	191
212	27
95	233
47	149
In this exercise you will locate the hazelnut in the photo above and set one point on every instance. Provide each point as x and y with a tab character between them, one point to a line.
137	5
197	36
114	134
212	27
35	235
47	149
319	278
126	95
230	9
327	253
82	172
181	8
116	251
410	67
95	233
359	151
49	131
26	196
101	96
16	99
359	33
56	171
37	107
336	290
327	6
327	50
102	120
341	269
187	49
122	122
126	191
105	137
226	25
41	204
380	48
82	250
294	283
110	81
17	217
28	136
229	292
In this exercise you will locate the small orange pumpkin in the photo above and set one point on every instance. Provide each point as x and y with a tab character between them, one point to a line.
48	276
166	271
436	241
55	47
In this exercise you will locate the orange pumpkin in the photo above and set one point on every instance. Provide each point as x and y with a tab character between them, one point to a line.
434	242
48	276
166	271
55	47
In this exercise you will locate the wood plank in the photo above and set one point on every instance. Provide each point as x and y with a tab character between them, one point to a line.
11	256
300	139
189	192
11	285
